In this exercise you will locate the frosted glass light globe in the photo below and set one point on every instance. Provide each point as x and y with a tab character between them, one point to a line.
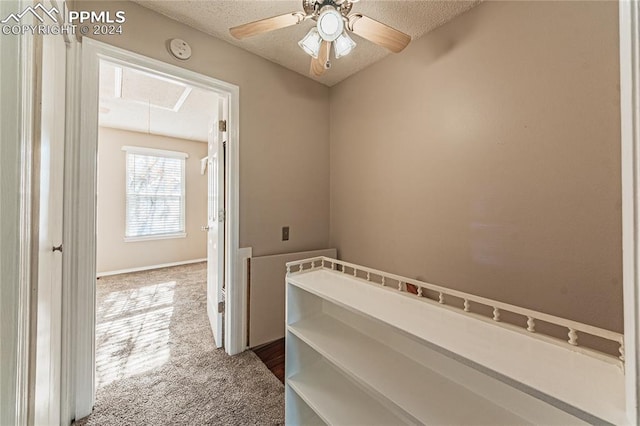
330	24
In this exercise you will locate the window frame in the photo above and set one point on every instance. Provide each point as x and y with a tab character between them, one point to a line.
139	150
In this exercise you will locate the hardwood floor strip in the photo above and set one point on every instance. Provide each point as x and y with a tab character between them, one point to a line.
272	355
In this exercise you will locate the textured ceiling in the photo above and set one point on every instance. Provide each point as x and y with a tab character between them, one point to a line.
215	17
145	103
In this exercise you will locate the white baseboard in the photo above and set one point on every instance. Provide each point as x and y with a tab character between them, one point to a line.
147	268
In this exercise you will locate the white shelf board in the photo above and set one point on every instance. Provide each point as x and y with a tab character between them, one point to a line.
422	393
584	382
336	400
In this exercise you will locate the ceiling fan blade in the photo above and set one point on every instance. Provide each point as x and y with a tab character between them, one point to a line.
266	25
316	68
378	33
319	64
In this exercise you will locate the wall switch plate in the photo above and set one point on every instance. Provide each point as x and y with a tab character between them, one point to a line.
285	233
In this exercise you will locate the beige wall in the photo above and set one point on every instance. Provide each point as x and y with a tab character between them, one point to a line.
113	253
486	158
284	167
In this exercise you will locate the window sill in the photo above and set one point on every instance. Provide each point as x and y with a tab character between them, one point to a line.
155	237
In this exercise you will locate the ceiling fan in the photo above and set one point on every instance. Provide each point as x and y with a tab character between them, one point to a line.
334	21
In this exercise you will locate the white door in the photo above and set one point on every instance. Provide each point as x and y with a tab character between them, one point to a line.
216	228
49	302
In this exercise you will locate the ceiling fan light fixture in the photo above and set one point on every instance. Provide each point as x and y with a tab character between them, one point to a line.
330	24
311	42
343	45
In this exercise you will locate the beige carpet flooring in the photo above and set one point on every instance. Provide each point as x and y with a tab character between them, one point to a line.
156	363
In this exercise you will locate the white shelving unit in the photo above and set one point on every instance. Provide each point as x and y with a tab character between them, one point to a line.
360	353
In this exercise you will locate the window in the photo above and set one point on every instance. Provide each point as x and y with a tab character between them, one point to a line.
155	192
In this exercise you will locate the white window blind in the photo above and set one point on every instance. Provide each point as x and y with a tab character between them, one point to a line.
155	192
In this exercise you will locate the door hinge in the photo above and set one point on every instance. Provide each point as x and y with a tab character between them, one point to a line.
220	307
221	215
222	125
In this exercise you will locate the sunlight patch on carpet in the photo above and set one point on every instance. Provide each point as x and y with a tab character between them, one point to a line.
134	331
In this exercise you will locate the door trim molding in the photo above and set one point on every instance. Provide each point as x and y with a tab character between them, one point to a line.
629	19
25	388
19	113
79	260
72	133
80	213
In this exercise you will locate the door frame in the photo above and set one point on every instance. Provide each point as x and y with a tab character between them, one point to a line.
78	388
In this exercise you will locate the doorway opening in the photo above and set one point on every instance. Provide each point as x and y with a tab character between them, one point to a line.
160	219
140	164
